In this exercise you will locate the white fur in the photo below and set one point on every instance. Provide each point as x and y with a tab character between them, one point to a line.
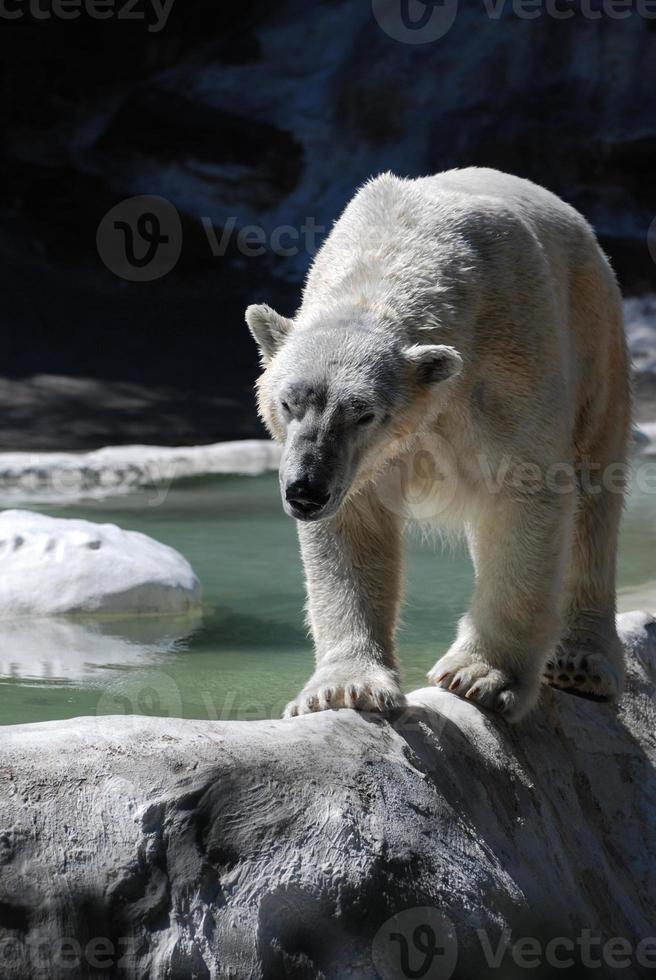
506	283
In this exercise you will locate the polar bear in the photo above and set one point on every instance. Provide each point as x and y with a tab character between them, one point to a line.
469	319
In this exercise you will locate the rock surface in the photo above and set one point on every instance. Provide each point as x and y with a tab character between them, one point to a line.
316	847
56	477
640	319
650	434
54	566
270	116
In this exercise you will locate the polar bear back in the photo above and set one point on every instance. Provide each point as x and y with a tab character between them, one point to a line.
495	266
437	255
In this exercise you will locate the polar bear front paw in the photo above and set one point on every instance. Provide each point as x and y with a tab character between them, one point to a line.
374	688
473	678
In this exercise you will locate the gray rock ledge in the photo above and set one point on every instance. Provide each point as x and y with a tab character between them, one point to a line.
168	849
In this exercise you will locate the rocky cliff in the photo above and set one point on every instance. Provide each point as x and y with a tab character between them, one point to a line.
267	117
337	845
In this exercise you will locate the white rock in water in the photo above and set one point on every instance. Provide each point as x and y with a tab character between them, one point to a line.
647	438
640	319
45	477
331	845
52	566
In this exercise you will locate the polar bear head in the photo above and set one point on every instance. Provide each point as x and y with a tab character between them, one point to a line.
337	396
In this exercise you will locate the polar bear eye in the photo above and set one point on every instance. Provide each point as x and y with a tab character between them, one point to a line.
362	411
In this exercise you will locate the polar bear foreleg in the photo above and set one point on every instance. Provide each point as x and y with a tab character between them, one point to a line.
353	565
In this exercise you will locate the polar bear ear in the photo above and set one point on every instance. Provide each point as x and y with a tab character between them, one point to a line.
269	329
433	363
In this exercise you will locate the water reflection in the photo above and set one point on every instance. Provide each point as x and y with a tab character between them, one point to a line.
61	650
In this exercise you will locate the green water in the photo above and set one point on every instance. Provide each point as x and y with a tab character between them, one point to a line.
250	653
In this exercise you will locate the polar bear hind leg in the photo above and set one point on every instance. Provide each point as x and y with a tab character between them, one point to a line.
518	552
589	660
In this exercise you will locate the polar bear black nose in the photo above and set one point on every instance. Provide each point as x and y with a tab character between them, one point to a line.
305	497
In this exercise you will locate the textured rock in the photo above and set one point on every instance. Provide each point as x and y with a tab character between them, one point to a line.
186	849
291	108
53	476
53	566
270	115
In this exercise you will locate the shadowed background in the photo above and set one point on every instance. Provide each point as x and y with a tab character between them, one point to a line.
269	115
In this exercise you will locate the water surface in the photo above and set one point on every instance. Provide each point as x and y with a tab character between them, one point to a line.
250	653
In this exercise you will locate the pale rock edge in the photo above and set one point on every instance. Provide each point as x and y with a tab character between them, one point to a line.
47	477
